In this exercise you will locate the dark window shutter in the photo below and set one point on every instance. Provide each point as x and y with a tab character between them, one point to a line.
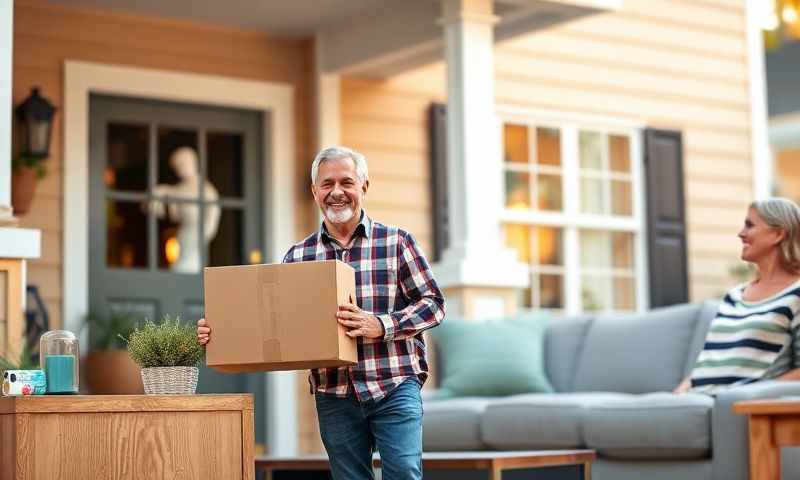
666	218
437	128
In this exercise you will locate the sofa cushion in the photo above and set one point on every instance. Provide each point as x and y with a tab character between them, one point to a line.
530	421
637	353
453	424
562	349
653	426
494	357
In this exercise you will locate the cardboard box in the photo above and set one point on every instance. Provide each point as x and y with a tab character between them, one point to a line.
278	317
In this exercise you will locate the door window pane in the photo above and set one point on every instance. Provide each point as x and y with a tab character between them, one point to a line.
175	164
126	157
227	247
518	195
548	146
225	163
515	138
179	247
548	189
591	150
126	234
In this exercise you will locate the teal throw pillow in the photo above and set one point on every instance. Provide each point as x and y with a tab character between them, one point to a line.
493	357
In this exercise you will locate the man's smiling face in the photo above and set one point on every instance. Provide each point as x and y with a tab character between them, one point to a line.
338	190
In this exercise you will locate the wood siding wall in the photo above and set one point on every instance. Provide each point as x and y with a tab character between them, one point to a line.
673	64
46	35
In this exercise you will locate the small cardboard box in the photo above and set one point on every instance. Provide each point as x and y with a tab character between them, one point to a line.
278	317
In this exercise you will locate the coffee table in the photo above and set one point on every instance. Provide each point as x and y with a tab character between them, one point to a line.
493	462
773	424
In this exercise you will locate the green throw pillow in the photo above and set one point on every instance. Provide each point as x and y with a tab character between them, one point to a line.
492	358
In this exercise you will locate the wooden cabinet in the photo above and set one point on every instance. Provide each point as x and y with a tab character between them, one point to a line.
127	437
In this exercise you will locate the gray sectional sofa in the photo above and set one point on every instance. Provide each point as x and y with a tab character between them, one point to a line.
613	375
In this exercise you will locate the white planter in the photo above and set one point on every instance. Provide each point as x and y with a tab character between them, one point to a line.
170	380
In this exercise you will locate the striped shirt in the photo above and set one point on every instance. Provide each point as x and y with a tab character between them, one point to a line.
393	282
749	341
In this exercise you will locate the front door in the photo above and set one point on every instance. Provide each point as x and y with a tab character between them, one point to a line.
173	188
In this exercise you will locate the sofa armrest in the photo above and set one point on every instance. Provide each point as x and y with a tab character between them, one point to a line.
729	430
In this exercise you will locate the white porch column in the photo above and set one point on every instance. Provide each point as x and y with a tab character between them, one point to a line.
479	274
16	244
6	51
327	99
763	165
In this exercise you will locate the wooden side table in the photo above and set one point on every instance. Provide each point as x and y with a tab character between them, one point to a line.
773	424
104	437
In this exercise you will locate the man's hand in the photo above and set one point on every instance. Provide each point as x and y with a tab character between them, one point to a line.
203	332
358	322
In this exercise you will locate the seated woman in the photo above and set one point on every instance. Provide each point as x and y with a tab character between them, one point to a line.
754	335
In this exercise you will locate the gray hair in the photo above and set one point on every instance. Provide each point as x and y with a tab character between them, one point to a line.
332	153
783	213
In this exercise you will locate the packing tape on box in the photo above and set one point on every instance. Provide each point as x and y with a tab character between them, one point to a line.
269	316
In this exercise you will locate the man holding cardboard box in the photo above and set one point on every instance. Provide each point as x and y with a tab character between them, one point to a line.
376	403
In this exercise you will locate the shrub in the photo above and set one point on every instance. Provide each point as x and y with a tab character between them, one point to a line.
166	344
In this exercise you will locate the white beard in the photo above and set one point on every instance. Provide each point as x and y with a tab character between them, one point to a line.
340	216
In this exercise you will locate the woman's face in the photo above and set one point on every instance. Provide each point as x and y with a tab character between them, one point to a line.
758	238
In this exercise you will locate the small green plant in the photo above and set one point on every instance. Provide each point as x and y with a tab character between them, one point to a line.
109	333
26	360
36	163
166	344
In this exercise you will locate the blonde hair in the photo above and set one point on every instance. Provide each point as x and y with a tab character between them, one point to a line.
783	213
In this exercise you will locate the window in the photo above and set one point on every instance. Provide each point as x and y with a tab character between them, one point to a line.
573	213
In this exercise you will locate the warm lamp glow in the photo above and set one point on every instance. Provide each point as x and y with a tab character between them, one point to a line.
172	250
789	14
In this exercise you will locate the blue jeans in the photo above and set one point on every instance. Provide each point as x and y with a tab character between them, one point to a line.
351	431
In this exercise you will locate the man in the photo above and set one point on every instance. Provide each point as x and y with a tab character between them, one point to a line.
375	403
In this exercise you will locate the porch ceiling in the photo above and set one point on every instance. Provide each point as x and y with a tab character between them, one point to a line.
375	38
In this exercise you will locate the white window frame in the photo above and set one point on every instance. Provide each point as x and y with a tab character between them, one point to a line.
570	219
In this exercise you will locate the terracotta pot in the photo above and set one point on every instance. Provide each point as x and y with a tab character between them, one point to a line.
113	372
23	186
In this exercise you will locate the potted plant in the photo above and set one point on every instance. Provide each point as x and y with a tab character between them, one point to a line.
109	368
25	172
168	354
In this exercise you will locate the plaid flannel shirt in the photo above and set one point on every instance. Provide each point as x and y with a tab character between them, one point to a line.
393	282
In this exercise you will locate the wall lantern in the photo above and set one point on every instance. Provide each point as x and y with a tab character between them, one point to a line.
35	117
